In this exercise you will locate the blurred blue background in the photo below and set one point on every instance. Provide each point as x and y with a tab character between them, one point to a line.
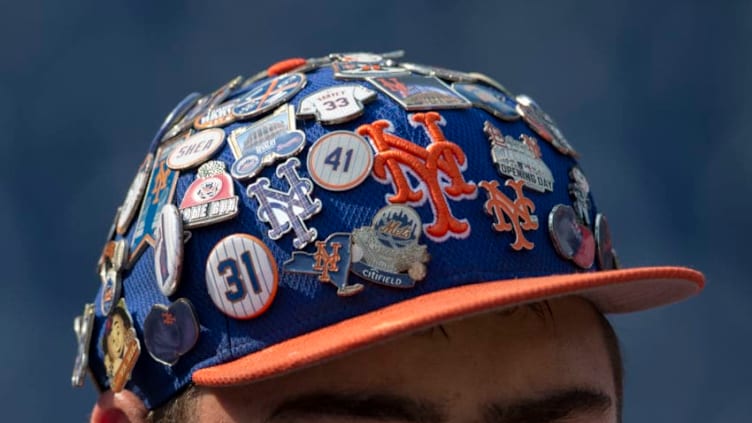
657	98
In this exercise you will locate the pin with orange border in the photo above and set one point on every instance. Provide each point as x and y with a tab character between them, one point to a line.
120	346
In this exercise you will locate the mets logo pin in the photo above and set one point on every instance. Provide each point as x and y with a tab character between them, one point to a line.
540	122
268	95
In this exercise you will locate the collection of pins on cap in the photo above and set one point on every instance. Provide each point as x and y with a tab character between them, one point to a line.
241	272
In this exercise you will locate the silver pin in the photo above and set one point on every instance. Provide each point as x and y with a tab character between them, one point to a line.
83	326
540	122
519	159
196	149
168	251
607	258
134	195
571	239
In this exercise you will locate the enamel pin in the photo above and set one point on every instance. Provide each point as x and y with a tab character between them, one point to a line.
286	211
607	258
340	160
443	73
330	263
171	119
210	198
261	143
519	211
159	191
120	346
540	122
387	252
114	256
203	104
579	190
111	289
83	326
363	65
219	115
168	251
268	95
519	159
170	331
572	240
241	276
337	104
134	196
488	99
196	149
416	92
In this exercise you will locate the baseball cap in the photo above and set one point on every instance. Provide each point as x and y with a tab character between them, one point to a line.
327	204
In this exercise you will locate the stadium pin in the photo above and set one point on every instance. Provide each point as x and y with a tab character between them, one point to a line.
337	104
159	191
268	95
120	346
170	331
168	251
111	290
362	65
607	258
579	189
134	195
540	122
261	143
196	149
83	326
417	92
172	118
488	99
201	106
387	252
340	160
442	73
572	240
519	159
330	263
286	211
241	276
210	198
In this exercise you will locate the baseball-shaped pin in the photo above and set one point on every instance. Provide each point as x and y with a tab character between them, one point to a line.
168	252
340	160
241	276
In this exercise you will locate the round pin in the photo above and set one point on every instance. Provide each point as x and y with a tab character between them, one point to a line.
268	95
196	149
168	251
134	195
494	102
606	253
571	239
540	122
340	160
111	290
120	346
170	331
241	276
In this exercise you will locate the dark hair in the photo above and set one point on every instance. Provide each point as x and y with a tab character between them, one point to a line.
181	408
117	311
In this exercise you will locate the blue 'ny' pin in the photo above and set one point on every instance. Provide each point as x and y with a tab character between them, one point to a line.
286	211
330	262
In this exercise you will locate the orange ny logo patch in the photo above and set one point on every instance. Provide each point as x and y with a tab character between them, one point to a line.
518	211
437	169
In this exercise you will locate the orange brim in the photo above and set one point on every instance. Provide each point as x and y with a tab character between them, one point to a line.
615	291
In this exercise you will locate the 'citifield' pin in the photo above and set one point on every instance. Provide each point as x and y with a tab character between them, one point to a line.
170	331
168	251
241	276
384	251
571	239
82	326
210	198
337	104
120	346
340	160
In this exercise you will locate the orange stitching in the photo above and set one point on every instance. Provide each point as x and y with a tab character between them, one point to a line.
519	210
425	163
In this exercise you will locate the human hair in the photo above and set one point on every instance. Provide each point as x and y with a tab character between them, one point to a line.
181	409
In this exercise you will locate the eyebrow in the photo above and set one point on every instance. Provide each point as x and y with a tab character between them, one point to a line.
551	407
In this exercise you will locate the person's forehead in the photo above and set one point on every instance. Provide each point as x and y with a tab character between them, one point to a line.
491	357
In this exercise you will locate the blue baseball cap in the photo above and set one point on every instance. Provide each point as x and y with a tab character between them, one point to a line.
327	204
